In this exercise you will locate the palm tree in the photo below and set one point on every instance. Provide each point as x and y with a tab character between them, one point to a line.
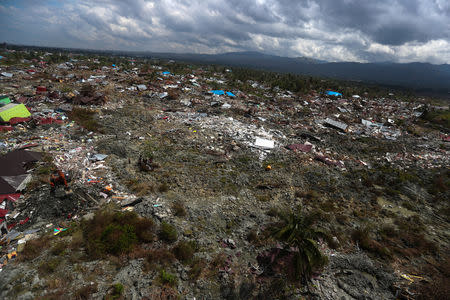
297	233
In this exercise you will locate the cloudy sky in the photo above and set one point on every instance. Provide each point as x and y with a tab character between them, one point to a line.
333	30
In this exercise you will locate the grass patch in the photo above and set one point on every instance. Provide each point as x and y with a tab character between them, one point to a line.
158	256
85	292
163	188
34	248
362	237
183	251
49	266
140	188
179	209
115	292
168	232
437	118
196	270
167	278
85	118
116	232
59	248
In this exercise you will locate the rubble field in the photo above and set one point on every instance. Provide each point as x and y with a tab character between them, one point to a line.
130	178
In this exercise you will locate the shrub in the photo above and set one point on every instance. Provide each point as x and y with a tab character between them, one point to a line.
179	209
34	248
168	232
116	291
163	188
296	230
328	206
48	266
118	239
59	248
160	256
362	237
140	188
115	232
167	278
252	236
85	292
85	118
183	251
197	267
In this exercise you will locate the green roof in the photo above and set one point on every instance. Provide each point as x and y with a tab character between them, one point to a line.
13	110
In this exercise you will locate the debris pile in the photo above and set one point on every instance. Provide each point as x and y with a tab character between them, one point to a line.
218	159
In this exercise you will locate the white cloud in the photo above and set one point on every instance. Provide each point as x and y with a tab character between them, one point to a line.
335	30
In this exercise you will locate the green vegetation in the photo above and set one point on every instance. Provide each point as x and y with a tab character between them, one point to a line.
197	267
167	278
179	209
168	232
296	230
49	266
116	292
85	118
183	251
34	248
85	292
116	232
437	118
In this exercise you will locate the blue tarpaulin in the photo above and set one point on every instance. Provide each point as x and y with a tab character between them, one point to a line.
231	94
166	73
331	93
217	92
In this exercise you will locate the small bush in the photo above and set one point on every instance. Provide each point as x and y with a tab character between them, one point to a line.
144	229
252	236
341	219
116	291
197	267
118	239
85	118
140	188
167	278
362	237
411	224
85	292
163	188
168	232
179	209
77	239
49	266
115	232
59	248
34	248
183	251
158	256
273	212
328	206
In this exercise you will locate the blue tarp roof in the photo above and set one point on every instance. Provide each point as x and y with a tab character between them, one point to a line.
217	92
231	94
166	73
331	93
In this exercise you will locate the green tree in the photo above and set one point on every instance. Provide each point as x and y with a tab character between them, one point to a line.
297	232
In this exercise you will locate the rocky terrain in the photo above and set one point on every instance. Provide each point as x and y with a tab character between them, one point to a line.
181	178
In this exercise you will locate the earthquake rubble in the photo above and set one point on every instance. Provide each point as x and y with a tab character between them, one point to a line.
216	160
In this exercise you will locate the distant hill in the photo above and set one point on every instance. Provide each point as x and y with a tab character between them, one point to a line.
419	76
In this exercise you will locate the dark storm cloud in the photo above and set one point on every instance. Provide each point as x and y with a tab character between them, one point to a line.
363	30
